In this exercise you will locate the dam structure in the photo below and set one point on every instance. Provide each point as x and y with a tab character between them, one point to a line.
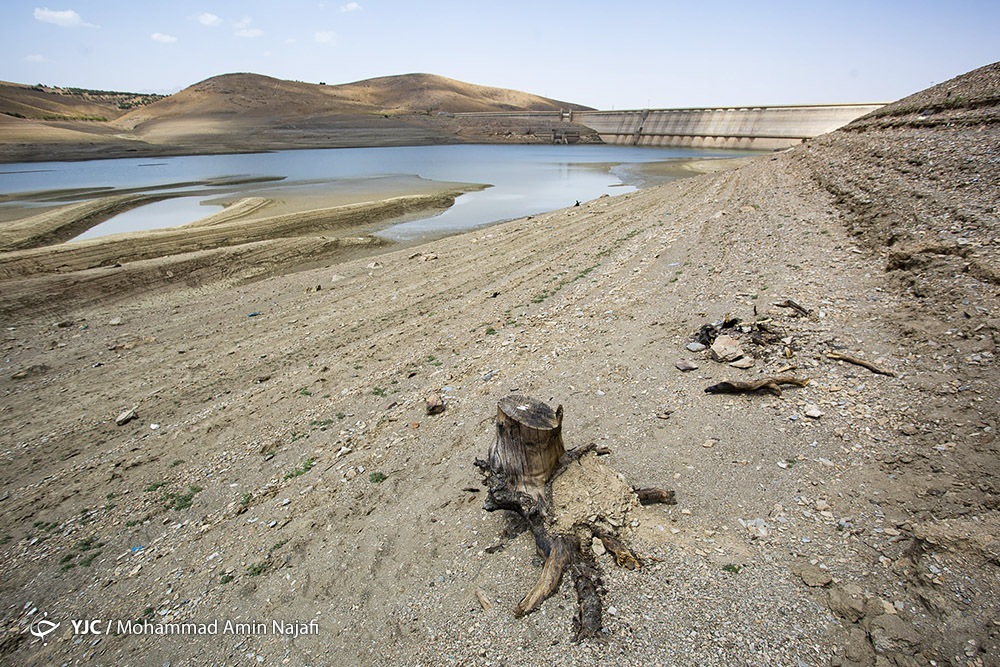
736	127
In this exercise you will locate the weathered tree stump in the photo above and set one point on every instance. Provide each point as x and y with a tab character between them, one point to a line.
523	462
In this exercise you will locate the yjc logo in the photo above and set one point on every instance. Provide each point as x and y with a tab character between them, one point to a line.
42	627
85	627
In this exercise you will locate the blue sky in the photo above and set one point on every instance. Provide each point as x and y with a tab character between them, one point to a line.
602	54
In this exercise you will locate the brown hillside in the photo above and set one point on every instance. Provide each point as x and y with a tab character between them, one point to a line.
53	103
413	93
240	97
241	112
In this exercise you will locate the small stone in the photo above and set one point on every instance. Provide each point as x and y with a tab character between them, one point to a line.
847	602
813	575
908	429
743	362
126	417
813	412
598	546
684	365
822	506
695	347
115	322
726	349
435	404
711	442
756	527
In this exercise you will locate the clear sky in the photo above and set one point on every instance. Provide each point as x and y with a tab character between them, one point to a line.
620	55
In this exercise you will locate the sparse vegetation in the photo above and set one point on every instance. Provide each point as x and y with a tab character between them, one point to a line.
180	501
257	569
301	470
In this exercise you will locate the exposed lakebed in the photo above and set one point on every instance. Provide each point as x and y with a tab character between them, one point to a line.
522	180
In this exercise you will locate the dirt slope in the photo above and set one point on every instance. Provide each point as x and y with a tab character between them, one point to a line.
849	522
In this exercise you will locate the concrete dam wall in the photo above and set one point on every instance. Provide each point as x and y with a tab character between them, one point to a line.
752	128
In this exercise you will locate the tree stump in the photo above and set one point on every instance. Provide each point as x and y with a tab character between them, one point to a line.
528	445
523	462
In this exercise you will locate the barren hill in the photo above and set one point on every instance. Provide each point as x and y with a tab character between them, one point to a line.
262	96
49	103
234	103
249	112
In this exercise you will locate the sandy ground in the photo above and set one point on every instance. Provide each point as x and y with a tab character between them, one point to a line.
281	467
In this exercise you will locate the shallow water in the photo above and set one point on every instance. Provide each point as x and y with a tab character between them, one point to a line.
525	180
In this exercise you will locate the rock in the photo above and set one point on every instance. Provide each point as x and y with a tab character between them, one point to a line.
756	527
711	442
876	606
598	546
695	347
812	575
435	404
889	634
126	417
813	412
908	429
684	365
848	602
34	369
115	322
858	650
743	362
726	349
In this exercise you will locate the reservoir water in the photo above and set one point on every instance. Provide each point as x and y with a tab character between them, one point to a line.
524	179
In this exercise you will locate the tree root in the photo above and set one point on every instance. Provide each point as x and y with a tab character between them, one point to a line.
771	384
859	362
528	451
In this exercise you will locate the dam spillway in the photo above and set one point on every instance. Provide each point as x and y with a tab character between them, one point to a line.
736	127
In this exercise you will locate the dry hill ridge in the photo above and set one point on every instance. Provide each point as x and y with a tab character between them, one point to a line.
218	115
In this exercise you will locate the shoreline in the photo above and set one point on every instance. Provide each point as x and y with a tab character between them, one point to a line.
34	248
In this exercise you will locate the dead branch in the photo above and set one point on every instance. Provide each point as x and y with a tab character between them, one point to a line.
652	496
788	303
623	555
859	362
771	384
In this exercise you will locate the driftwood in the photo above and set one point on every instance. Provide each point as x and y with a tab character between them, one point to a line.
860	362
653	496
788	303
771	384
523	462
